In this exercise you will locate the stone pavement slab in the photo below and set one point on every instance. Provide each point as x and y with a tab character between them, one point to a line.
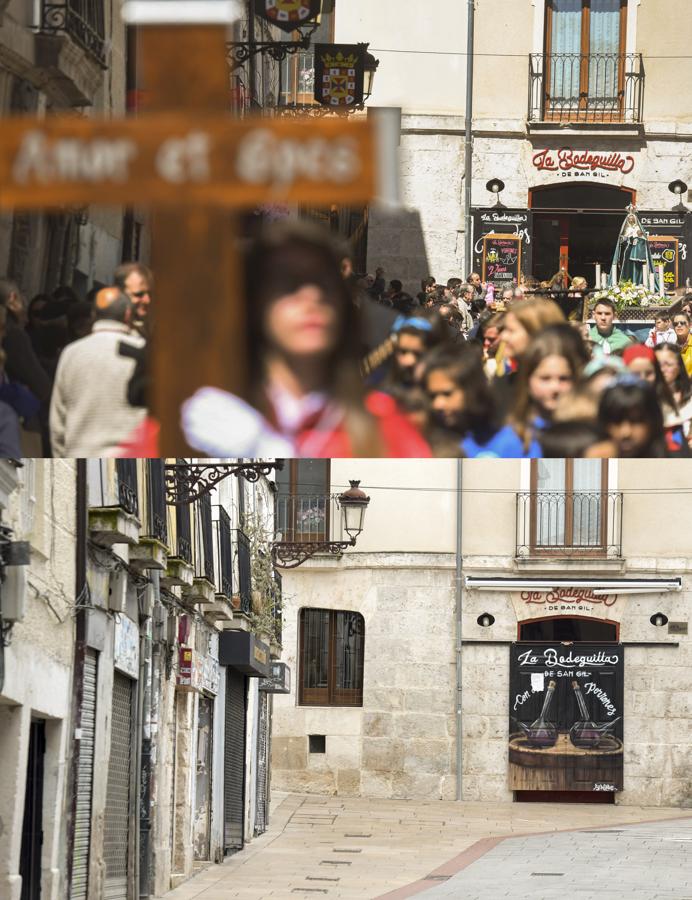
333	847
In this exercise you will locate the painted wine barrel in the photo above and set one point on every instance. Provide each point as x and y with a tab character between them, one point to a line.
564	767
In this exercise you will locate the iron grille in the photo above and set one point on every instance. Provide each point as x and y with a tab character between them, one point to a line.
225	554
308	518
205	543
592	87
126	472
81	20
278	607
332	646
183	533
569	523
244	572
117	818
156	500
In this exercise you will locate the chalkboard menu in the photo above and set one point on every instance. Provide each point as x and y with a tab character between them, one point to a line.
502	258
665	251
565	717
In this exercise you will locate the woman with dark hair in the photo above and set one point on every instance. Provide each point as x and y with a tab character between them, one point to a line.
630	416
305	394
673	371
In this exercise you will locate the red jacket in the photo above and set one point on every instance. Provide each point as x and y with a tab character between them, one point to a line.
400	438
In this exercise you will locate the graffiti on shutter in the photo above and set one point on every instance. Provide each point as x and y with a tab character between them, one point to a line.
85	778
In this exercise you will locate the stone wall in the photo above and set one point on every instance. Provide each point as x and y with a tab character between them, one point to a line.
401	743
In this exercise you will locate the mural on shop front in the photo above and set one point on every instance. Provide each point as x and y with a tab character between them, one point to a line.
565	727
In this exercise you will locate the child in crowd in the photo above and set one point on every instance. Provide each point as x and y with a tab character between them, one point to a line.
662	333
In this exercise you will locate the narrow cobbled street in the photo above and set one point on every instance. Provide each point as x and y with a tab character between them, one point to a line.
327	847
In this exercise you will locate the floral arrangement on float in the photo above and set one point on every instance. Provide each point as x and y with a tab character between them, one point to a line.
629	296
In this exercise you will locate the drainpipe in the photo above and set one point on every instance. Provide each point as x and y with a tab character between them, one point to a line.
144	748
468	140
458	586
79	657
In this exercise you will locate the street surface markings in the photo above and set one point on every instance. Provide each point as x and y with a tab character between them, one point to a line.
347	850
547	874
437	878
336	862
320	878
358	835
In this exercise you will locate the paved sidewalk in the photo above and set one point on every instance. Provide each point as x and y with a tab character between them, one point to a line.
351	848
637	862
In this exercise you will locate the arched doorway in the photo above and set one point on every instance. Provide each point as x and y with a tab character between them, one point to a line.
566	630
575	226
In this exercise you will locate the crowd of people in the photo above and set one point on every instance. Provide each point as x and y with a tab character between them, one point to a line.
347	365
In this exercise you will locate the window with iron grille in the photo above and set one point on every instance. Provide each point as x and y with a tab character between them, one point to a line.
225	554
126	472
278	606
156	500
207	540
244	572
331	652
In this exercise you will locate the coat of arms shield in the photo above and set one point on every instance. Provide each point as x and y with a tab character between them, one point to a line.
339	71
288	15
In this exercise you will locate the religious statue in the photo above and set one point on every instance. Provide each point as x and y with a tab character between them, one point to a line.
632	259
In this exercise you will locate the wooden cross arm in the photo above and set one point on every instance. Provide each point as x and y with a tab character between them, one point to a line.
179	159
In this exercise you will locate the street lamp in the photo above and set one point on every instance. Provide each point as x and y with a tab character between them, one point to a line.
187	481
496	186
371	66
352	503
678	188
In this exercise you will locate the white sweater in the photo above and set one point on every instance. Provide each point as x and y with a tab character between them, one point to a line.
89	412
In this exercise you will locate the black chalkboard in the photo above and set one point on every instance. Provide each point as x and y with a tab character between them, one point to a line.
665	251
502	258
565	716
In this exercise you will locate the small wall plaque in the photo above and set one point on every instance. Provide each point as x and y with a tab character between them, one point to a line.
677	627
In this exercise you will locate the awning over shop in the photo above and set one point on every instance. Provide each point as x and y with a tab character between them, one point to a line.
597	585
242	651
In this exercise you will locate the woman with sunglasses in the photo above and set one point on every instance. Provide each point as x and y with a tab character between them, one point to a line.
681	325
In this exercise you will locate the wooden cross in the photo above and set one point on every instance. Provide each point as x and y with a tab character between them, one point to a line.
193	164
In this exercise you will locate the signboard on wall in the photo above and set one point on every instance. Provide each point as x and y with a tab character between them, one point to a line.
575	600
502	221
565	717
665	252
501	261
667	224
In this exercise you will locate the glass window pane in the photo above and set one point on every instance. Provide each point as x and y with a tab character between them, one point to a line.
565	47
315	663
604	47
587	508
550	503
349	651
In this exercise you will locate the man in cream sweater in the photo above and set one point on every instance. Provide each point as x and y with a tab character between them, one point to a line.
89	411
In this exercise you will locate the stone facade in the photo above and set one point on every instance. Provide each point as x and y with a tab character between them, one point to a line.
403	742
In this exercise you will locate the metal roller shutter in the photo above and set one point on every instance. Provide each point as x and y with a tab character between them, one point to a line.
85	778
116	830
262	764
234	761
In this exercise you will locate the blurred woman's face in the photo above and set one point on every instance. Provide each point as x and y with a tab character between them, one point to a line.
629	437
670	365
644	368
446	397
551	378
303	324
515	336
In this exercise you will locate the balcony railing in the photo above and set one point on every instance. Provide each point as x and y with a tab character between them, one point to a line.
128	497
592	88
244	572
569	523
81	20
224	554
278	607
183	531
204	543
307	518
157	526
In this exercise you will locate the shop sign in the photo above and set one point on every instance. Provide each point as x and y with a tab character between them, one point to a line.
568	162
186	666
126	646
515	222
565	717
534	604
197	671
501	261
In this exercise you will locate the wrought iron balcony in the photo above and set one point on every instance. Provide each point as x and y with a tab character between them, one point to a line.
204	540
224	554
183	530
156	523
126	473
244	572
569	524
307	524
277	608
590	88
81	20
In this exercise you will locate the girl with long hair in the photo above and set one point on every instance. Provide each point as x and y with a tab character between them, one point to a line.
305	392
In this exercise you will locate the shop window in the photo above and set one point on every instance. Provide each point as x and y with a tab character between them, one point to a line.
570	508
588	75
331	653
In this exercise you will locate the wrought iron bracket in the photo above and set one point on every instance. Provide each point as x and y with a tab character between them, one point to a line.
316	110
291	554
239	52
186	482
